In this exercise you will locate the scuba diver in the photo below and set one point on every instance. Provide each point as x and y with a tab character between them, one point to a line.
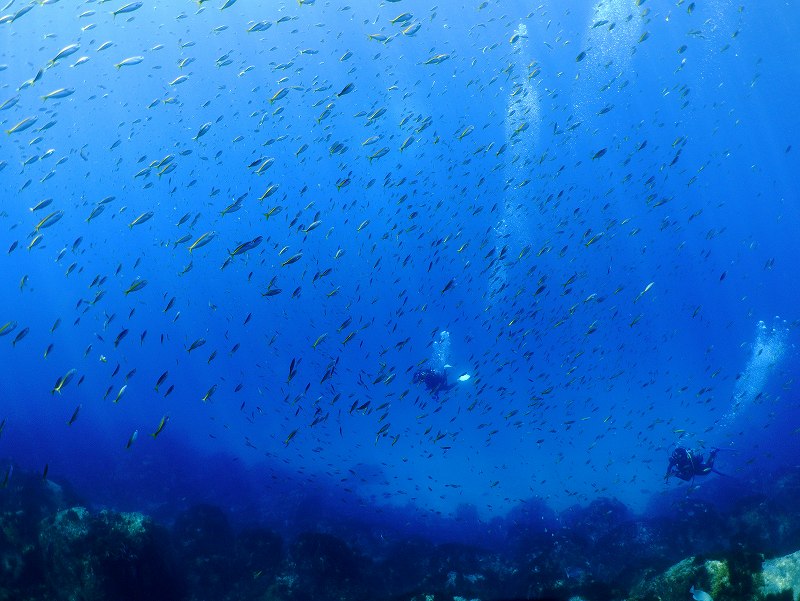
435	381
435	378
685	464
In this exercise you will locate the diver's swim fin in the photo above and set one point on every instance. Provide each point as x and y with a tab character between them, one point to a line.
721	474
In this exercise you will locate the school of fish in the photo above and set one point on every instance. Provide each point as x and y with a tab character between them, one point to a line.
263	213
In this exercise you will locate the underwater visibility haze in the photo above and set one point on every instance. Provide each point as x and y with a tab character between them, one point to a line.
242	240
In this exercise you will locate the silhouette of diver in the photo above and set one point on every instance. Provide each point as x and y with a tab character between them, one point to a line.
685	464
435	381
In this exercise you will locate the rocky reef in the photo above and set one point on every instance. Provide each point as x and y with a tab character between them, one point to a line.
56	546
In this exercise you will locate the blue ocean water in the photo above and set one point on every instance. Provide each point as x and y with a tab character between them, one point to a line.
592	211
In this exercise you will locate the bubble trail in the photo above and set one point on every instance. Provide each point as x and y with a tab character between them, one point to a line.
769	349
441	351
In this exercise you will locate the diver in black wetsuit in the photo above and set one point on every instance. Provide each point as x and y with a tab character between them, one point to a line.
435	381
685	464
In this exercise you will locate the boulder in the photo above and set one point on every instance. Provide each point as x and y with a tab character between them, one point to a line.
780	577
111	555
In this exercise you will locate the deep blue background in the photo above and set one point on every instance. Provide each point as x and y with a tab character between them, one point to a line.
578	391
